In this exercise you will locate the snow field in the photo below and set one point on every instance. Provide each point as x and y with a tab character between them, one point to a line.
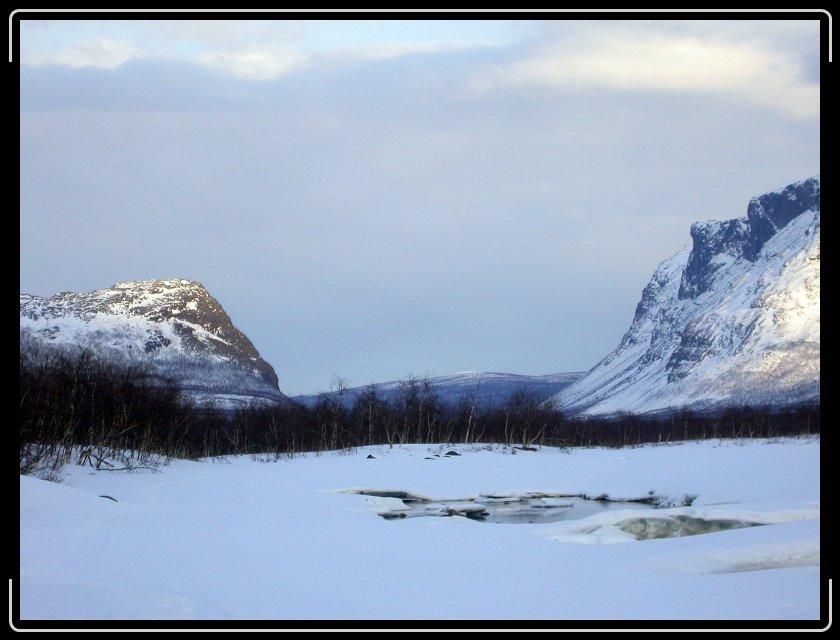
279	540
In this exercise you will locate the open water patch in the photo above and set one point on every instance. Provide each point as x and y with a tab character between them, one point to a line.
534	507
648	519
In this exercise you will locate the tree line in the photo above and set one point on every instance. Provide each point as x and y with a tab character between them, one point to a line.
76	406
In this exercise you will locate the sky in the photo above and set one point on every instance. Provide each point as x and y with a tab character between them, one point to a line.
372	199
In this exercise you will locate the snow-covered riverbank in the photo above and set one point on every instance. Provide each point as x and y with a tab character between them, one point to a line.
242	539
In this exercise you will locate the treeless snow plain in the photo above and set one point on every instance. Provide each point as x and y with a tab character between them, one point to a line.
243	539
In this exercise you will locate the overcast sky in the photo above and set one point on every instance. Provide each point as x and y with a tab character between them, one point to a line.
373	199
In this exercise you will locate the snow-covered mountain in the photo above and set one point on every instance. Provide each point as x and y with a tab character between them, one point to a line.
489	390
174	326
735	320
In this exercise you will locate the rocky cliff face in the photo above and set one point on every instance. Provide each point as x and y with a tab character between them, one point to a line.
175	326
733	321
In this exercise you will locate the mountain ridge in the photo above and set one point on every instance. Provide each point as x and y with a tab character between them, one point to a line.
489	390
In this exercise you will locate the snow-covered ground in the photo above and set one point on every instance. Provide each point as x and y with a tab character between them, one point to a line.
244	539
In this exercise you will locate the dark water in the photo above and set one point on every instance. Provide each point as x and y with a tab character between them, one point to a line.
506	509
531	512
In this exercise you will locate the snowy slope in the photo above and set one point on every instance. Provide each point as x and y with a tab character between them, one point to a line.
175	326
489	390
250	540
735	320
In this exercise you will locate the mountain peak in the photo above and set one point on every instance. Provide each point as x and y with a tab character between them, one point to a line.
744	238
770	212
163	285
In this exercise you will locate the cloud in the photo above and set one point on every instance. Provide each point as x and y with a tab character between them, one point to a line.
255	63
247	49
100	53
383	51
249	61
661	61
267	62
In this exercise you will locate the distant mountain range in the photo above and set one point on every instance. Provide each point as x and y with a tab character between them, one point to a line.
735	320
487	390
174	326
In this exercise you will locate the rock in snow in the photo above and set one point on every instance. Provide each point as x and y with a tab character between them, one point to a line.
175	326
733	321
